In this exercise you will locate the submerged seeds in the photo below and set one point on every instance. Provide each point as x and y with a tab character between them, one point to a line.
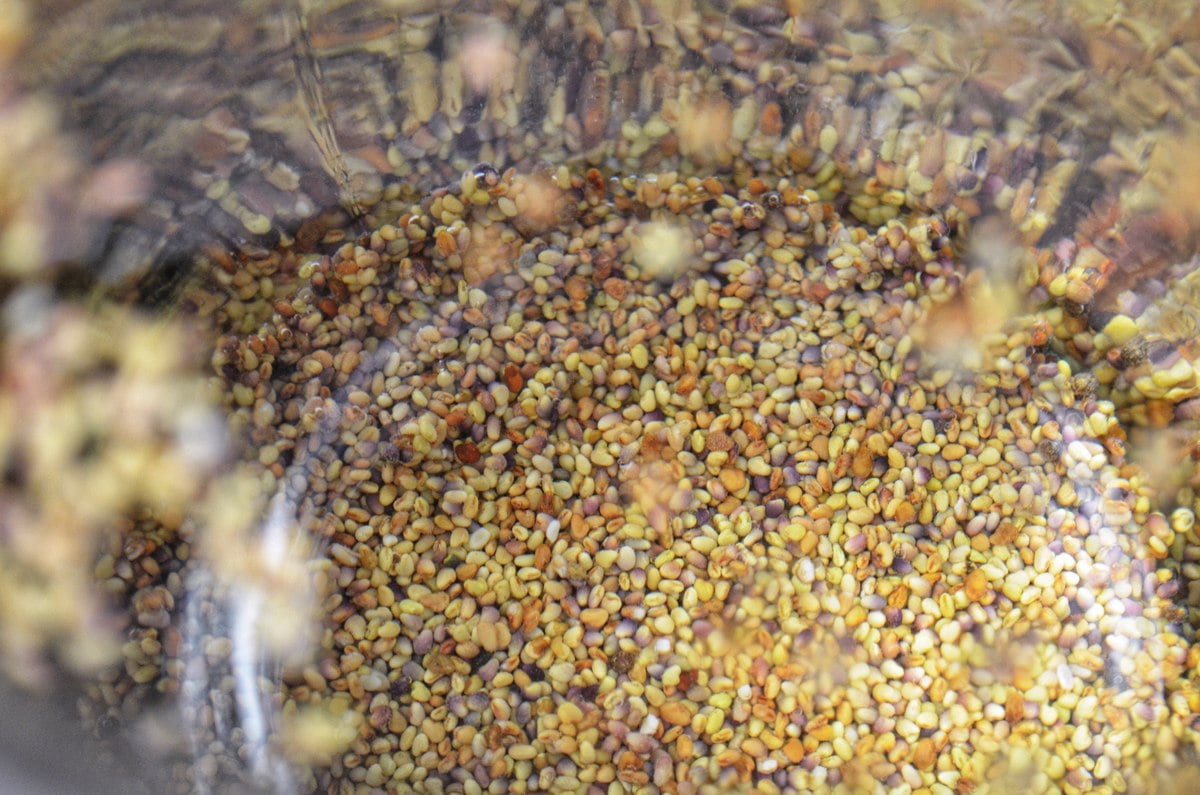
713	522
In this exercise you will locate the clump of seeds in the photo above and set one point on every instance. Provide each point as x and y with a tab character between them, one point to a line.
591	527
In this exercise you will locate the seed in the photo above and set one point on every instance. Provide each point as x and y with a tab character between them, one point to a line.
626	559
480	537
513	379
1081	738
676	713
828	139
467	452
562	672
594	617
522	751
733	479
924	754
1014	707
492	636
975	584
953	452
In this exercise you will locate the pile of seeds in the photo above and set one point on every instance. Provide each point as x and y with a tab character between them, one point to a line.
645	481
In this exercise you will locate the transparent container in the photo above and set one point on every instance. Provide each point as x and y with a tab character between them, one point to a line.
601	397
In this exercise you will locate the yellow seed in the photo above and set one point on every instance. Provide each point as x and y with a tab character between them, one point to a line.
716	719
827	140
1120	329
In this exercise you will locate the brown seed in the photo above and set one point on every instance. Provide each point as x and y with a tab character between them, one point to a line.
975	584
616	288
513	378
623	661
1006	533
1014	706
718	440
467	452
575	288
771	119
793	749
1079	292
446	244
924	754
863	462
